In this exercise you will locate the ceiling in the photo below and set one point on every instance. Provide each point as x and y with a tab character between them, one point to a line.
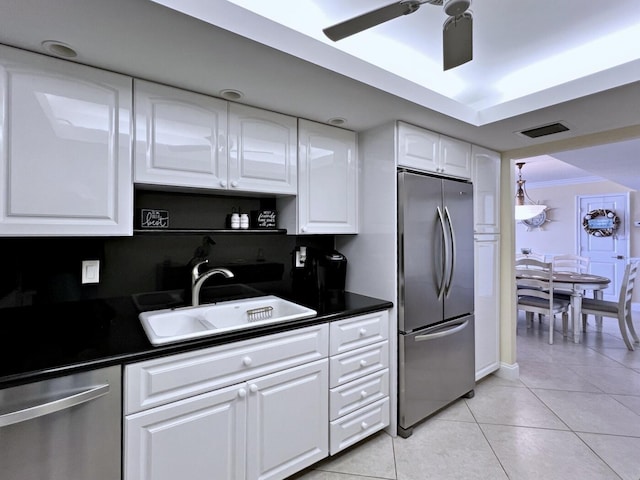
576	62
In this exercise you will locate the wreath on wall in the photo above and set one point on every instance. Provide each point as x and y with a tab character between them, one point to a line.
600	222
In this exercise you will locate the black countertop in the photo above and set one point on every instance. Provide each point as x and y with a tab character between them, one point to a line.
43	341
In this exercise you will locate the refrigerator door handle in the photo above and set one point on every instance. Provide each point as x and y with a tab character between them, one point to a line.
452	263
450	328
441	287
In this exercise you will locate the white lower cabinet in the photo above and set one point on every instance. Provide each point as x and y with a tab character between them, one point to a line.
358	379
269	423
199	438
257	409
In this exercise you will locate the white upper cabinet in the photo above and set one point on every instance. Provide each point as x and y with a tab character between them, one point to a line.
181	137
65	148
455	157
418	148
431	152
486	190
327	179
262	151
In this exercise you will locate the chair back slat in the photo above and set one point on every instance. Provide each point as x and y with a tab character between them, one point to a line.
626	291
571	263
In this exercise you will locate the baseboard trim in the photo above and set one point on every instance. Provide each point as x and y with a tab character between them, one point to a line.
509	371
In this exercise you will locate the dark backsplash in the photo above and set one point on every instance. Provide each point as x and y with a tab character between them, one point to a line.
39	270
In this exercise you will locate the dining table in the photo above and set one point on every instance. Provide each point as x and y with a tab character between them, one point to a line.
575	284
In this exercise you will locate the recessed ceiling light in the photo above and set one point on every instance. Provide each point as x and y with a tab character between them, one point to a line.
59	49
231	94
337	121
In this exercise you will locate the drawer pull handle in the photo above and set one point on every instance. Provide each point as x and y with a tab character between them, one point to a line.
363	393
364	425
246	361
363	363
253	388
363	332
242	393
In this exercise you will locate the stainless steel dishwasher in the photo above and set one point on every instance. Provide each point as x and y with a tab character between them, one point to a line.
64	428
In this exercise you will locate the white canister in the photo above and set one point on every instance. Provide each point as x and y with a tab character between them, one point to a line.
244	221
235	221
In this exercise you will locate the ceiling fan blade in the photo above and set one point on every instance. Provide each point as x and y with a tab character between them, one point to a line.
457	40
370	19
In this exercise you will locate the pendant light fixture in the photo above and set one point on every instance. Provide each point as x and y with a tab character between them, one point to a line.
525	207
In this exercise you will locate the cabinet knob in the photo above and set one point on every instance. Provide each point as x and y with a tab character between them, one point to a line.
363	394
242	393
363	363
223	183
253	388
363	332
364	425
303	229
246	361
234	183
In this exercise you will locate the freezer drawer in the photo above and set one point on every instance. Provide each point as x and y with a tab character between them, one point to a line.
437	366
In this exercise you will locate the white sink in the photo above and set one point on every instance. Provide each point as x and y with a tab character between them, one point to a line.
174	325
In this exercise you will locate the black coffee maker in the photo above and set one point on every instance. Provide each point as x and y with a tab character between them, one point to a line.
318	273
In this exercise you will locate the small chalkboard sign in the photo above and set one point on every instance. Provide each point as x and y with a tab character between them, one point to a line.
152	218
264	218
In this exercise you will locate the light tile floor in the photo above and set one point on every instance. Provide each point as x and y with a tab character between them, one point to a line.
573	414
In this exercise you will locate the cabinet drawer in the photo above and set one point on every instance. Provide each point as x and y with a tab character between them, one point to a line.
360	424
358	332
358	363
162	380
354	395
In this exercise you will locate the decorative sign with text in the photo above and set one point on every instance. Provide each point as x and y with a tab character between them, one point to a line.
264	218
151	218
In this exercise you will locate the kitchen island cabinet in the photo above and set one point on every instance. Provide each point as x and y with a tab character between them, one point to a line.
65	143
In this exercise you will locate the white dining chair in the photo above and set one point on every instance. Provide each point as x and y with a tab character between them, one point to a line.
620	309
535	293
570	263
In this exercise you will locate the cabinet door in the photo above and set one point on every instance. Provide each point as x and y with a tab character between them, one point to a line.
487	304
418	148
455	157
65	149
181	137
288	421
262	151
485	168
327	185
200	438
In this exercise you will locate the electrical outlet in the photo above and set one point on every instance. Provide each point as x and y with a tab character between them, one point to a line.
90	271
301	257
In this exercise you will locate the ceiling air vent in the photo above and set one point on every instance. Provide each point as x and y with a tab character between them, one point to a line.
545	130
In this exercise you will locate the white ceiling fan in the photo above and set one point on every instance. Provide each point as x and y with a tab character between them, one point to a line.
457	31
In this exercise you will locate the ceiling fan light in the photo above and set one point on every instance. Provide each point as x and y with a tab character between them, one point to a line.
453	8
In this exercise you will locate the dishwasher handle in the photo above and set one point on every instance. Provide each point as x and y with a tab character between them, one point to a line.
444	330
29	413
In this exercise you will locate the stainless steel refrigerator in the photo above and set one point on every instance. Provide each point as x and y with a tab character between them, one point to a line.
435	309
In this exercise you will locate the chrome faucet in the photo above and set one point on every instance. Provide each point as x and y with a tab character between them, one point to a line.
197	279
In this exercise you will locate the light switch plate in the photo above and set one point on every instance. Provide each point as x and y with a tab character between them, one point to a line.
90	271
